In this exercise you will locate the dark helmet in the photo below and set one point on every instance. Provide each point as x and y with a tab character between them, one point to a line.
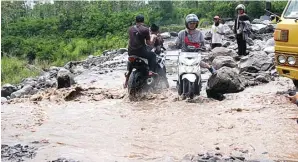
140	18
154	28
191	18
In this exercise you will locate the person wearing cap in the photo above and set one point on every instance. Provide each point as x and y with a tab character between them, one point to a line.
192	37
139	39
238	29
217	32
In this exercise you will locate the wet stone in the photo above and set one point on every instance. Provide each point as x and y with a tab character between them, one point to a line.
63	160
17	152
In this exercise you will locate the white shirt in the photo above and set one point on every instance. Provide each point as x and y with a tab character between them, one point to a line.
217	38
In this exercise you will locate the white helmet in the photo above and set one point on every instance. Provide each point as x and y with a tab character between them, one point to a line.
240	7
191	18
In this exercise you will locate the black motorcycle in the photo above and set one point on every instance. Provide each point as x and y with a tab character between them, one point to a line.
139	80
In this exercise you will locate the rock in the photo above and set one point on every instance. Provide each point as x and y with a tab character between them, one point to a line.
255	62
64	78
174	34
270	42
257	21
3	100
230	24
226	44
122	50
24	91
261	28
232	36
165	35
221	61
7	90
227	29
263	78
256	48
29	81
221	51
17	152
250	42
63	160
227	80
269	49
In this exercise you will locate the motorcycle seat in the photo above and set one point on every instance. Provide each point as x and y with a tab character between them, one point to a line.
137	57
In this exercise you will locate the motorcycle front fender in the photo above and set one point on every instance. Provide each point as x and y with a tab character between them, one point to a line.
189	77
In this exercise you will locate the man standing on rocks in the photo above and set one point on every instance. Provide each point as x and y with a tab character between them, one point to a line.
240	29
139	36
217	32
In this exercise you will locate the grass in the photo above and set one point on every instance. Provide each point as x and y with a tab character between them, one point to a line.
13	70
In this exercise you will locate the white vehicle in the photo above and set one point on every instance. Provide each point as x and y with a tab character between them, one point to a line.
189	81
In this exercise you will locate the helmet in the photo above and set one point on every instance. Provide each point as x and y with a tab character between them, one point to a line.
140	18
240	7
191	18
154	28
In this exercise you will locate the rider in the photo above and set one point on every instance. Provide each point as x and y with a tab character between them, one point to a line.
192	36
139	36
156	39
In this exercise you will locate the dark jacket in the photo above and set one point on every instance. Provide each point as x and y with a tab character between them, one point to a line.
243	17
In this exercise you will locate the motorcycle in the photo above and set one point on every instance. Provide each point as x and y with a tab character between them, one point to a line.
189	81
138	78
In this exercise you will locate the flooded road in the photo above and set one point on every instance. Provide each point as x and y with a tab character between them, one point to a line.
256	121
101	125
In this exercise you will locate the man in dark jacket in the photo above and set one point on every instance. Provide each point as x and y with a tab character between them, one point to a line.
139	37
241	16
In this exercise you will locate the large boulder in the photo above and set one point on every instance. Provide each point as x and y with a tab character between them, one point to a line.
174	34
7	90
262	29
64	78
227	29
255	62
221	51
270	42
26	90
165	35
227	80
250	42
221	61
270	49
122	50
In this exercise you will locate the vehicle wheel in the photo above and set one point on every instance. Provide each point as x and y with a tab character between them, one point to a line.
295	83
198	87
191	89
134	84
180	88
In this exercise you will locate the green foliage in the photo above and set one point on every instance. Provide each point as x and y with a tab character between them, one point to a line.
71	30
14	70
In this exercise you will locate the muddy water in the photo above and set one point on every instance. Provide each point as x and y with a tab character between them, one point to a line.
256	121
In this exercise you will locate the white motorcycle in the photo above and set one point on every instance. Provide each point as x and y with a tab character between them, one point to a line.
189	81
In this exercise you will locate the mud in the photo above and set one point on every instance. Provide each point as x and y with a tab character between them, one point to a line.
101	124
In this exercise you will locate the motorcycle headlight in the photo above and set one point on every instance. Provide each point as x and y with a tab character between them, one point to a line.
291	60
281	59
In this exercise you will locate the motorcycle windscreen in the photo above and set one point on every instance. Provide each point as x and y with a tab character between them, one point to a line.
190	58
189	77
